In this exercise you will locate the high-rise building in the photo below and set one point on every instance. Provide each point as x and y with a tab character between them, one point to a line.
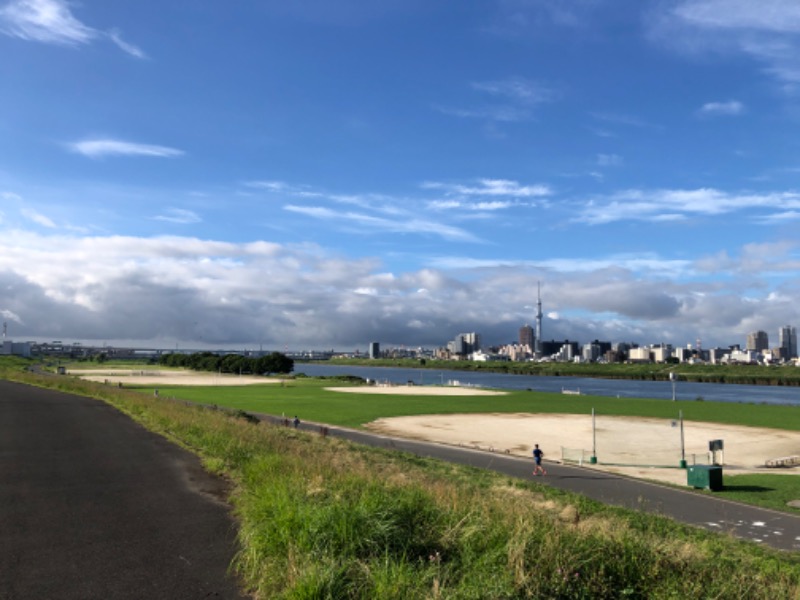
758	341
374	350
526	337
472	341
787	337
465	343
591	352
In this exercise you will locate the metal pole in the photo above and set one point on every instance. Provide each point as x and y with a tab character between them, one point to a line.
593	459
672	378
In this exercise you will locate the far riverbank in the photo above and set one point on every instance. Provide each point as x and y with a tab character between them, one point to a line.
786	375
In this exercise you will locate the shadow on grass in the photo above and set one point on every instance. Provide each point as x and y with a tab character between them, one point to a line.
747	488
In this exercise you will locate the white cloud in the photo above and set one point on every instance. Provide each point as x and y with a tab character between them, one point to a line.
445	205
524	17
179	215
624	119
780	217
10	196
669	205
503	114
729	108
637	264
272	186
517	89
7	314
52	22
765	30
371	224
777	16
491	187
97	148
519	95
609	160
38	218
48	21
134	51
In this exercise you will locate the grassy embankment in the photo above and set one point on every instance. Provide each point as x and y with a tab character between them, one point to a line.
321	518
742	374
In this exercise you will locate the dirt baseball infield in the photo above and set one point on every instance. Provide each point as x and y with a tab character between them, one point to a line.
162	377
638	447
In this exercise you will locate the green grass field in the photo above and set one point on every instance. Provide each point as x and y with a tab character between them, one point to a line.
308	398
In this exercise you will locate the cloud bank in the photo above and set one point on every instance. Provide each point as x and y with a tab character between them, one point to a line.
164	290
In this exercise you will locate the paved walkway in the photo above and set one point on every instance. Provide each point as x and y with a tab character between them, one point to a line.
93	506
760	525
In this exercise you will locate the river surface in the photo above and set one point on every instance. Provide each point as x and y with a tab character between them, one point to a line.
684	390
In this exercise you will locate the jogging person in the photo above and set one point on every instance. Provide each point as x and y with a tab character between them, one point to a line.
537	458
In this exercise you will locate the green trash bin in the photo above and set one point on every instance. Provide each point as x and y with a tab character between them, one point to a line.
708	477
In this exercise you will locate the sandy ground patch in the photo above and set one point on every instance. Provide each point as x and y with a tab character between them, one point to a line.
418	390
638	447
156	377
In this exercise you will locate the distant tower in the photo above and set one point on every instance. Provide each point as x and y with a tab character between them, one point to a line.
5	329
538	340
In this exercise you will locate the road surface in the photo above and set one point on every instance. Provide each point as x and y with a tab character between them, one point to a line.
94	506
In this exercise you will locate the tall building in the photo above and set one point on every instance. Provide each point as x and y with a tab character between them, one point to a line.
787	337
591	352
472	341
526	337
758	341
374	350
465	343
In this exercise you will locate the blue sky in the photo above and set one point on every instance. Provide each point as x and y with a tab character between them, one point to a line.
322	174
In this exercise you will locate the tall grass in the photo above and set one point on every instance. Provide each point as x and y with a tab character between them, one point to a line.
322	518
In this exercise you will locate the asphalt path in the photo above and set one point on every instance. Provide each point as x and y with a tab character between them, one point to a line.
94	506
763	526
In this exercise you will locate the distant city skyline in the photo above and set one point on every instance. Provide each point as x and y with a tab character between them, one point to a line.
463	343
320	175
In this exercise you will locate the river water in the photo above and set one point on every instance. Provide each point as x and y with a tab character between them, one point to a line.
684	390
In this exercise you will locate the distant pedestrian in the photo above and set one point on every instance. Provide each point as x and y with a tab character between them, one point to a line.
296	422
538	469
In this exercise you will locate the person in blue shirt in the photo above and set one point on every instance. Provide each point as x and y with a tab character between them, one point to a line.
537	458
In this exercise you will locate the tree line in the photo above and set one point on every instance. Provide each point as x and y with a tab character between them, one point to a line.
275	362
